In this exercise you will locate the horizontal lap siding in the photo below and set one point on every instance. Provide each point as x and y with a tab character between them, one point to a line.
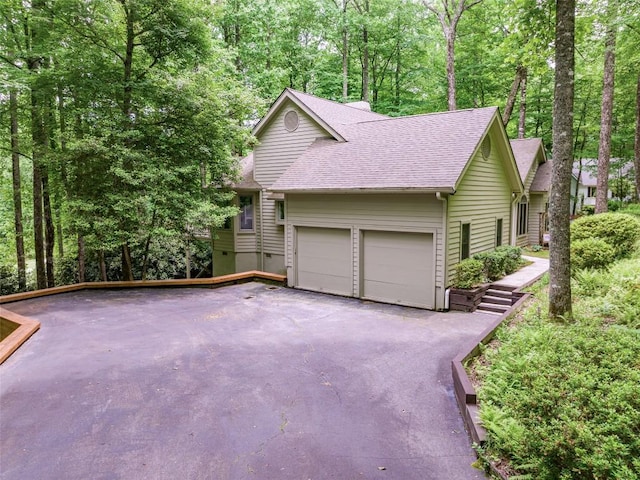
223	240
483	196
392	212
279	148
536	207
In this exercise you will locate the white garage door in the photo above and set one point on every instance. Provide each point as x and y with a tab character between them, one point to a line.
324	260
398	268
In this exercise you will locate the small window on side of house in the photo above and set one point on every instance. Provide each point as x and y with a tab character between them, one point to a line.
498	232
246	213
523	216
465	241
280	212
591	192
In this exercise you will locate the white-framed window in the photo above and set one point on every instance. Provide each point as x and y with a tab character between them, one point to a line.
280	212
246	217
591	192
523	216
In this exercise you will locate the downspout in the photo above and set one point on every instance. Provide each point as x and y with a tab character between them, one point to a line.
262	230
445	219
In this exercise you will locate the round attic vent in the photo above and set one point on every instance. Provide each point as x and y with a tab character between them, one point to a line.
486	147
291	120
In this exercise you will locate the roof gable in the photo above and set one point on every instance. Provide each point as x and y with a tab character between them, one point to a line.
423	152
332	116
529	154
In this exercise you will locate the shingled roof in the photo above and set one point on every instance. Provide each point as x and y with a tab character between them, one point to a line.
422	152
333	116
525	151
542	181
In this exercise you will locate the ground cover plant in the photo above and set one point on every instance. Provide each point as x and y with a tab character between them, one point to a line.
561	400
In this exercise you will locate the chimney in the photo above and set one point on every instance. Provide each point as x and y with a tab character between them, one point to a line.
360	105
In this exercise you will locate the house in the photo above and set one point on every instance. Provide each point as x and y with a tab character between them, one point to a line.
350	202
531	220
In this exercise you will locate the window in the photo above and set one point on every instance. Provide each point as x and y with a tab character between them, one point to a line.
591	191
246	213
465	241
523	216
498	232
280	215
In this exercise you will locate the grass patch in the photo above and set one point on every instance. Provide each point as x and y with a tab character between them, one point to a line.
562	400
536	251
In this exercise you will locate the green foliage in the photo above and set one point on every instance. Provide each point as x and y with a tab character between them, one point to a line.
502	261
631	209
587	210
618	230
560	401
469	273
591	253
9	280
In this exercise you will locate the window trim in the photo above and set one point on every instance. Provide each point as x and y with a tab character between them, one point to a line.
499	228
280	213
253	214
462	241
522	227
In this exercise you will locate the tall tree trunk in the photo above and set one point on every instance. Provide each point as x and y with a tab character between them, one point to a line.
81	260
523	104
49	240
345	53
127	266
606	118
636	150
450	36
365	64
560	196
449	13
103	265
398	67
511	99
17	190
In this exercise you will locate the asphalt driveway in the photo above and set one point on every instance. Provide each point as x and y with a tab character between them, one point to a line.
243	382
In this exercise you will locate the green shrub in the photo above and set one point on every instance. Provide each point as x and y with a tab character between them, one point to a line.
619	230
592	253
631	209
500	262
469	273
587	210
614	205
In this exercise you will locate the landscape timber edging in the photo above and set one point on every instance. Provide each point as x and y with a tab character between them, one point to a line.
28	326
467	299
464	390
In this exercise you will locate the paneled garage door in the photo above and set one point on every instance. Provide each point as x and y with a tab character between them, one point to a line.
398	268
324	260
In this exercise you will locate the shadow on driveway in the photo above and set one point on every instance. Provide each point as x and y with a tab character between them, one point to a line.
246	381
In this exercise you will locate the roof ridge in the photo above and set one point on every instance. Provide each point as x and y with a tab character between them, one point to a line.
335	102
428	114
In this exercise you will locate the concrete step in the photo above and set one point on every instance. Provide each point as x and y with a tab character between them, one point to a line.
497	300
492	307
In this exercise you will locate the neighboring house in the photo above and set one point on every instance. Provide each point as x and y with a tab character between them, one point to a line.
584	192
354	203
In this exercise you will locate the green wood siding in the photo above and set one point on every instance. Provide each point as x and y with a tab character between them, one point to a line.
483	196
277	150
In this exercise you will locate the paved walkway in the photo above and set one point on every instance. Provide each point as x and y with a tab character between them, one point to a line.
527	275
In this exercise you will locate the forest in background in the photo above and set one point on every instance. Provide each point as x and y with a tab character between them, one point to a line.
122	118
